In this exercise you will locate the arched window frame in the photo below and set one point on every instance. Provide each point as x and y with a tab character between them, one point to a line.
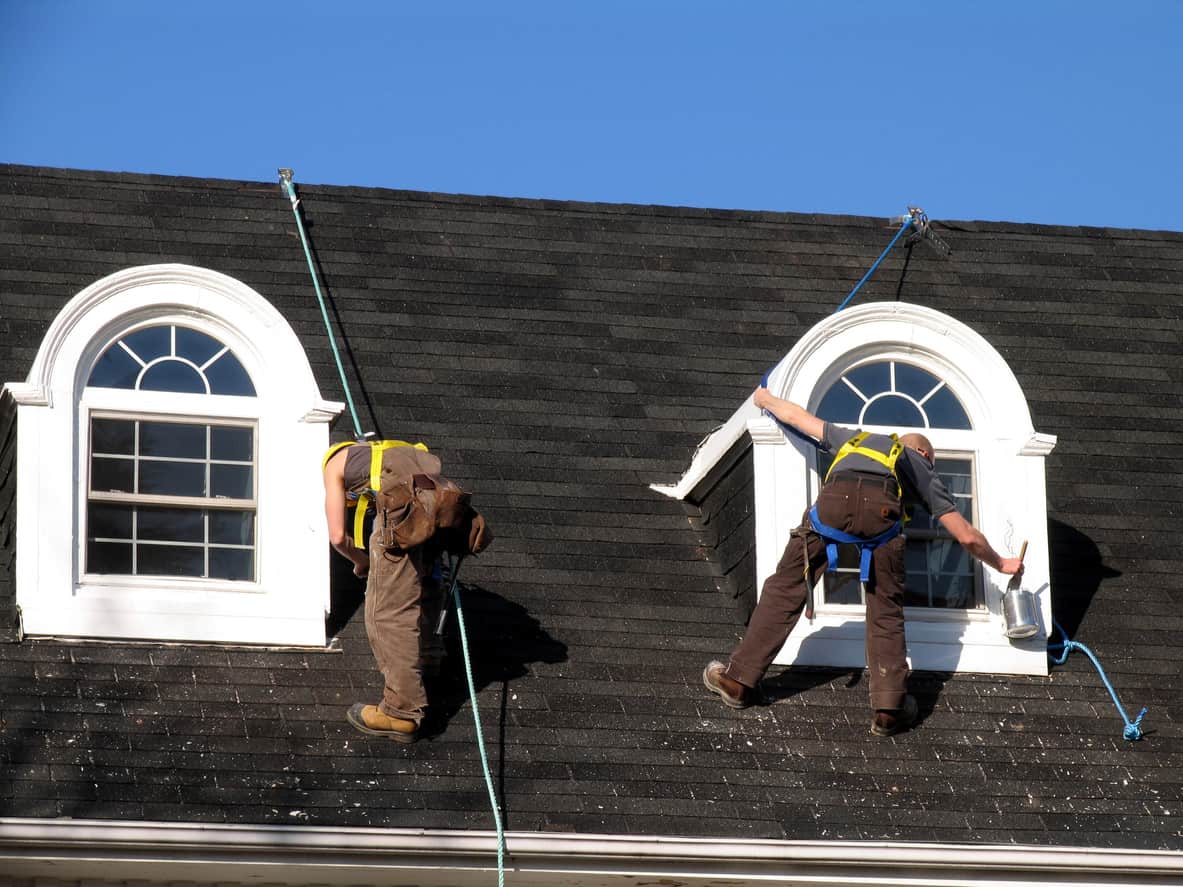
1009	458
55	598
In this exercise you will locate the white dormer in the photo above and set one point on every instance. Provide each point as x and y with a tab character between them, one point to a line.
893	366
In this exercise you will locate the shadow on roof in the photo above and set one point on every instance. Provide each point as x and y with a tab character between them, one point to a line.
1077	570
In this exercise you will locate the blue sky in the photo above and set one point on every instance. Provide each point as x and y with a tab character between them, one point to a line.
1050	112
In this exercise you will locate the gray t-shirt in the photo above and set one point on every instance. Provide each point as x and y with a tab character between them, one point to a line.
918	479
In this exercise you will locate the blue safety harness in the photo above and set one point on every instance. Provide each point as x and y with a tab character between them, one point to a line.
834	538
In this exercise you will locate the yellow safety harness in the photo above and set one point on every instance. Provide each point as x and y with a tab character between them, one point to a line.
888	459
361	502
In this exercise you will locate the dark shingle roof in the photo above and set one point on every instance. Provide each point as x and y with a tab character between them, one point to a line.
574	354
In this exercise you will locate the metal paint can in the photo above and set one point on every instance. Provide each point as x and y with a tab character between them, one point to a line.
1018	607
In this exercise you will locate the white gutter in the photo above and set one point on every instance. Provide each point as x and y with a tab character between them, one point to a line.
296	855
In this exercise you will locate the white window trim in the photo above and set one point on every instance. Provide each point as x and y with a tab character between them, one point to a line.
1011	506
285	605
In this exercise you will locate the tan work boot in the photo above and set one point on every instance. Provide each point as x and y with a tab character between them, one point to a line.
731	691
370	719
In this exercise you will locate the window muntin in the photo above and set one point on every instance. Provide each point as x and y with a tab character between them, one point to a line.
890	393
171	498
894	394
173	358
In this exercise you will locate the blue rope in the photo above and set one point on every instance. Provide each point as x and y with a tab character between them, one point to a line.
454	570
904	227
285	179
1133	729
912	220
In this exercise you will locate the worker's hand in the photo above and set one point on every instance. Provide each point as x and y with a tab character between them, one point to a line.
763	397
361	570
1011	566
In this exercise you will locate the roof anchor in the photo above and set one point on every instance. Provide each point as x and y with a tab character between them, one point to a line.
922	230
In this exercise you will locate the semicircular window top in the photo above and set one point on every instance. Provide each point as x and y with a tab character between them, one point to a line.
171	358
895	394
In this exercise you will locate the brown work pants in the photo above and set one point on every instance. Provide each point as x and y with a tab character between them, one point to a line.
863	506
403	605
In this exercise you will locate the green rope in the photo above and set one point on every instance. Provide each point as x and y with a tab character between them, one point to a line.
454	572
285	179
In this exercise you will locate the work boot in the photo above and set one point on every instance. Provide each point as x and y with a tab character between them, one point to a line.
888	722
370	719
731	691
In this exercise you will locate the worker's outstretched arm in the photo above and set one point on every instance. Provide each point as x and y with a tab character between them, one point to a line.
972	540
789	413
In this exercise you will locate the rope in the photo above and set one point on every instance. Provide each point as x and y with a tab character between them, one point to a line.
1133	729
908	223
915	218
454	571
285	179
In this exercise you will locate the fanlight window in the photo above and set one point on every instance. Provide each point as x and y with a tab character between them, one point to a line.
171	358
171	496
896	395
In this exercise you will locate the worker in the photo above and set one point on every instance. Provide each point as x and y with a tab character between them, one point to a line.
874	478
403	589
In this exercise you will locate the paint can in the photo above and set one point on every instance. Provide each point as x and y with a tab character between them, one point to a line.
1018	608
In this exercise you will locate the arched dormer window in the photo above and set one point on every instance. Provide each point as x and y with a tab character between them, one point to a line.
169	438
169	497
879	366
908	367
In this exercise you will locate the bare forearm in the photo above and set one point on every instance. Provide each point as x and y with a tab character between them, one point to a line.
974	541
790	413
344	546
979	546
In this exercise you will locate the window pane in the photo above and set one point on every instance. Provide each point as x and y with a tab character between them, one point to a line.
945	411
231	527
840	405
894	411
173	375
914	381
112	475
232	481
172	479
149	344
115	369
106	521
113	436
872	378
170	560
227	376
172	439
953	592
232	444
171	524
232	563
946	556
108	557
842	587
196	346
